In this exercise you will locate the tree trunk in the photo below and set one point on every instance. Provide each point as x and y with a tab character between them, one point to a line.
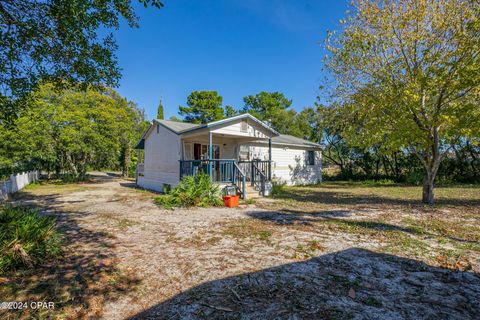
431	163
126	160
428	194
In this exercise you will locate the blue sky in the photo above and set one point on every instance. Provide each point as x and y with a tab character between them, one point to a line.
236	47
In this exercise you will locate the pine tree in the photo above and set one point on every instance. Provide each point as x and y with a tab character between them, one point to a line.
160	110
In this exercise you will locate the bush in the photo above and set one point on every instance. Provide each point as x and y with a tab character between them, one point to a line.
375	183
26	238
278	188
193	191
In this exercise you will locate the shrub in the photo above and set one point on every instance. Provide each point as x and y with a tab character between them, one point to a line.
278	188
26	238
193	191
380	182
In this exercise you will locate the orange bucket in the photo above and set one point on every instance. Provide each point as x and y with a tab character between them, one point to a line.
230	201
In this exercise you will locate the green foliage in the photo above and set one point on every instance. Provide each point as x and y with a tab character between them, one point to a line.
174	118
407	77
26	238
266	105
278	188
274	108
160	111
203	107
66	132
230	111
59	40
193	191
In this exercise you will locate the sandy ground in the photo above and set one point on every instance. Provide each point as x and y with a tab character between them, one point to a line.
244	263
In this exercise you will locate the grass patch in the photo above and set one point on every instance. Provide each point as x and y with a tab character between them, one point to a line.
26	238
379	193
469	246
125	223
307	250
248	201
248	229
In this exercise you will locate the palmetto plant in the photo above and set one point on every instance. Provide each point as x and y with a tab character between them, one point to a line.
193	191
26	238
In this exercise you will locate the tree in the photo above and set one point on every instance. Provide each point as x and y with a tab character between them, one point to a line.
267	106
203	107
70	131
408	73
230	111
58	41
160	114
174	118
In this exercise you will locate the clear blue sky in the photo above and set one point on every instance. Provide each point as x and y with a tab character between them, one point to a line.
236	47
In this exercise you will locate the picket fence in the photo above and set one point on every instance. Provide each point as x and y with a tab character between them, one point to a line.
17	182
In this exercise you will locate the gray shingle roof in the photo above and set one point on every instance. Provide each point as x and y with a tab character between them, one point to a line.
180	127
291	140
176	126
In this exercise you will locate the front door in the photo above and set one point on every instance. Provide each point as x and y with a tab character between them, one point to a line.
200	152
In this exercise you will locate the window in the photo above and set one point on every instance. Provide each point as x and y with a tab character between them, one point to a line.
244	153
158	128
311	157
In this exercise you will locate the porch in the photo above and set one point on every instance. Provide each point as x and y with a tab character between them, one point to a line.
227	160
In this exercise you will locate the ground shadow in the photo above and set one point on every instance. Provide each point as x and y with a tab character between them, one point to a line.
350	284
80	281
336	197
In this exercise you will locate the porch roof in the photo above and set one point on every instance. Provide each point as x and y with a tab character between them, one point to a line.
183	127
288	140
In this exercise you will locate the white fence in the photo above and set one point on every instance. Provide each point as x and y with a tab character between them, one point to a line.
17	182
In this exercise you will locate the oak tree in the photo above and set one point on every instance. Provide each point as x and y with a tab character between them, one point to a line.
407	75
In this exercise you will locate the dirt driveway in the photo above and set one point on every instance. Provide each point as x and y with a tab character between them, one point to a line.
126	257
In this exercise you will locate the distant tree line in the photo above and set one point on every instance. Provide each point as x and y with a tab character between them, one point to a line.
344	158
67	132
271	107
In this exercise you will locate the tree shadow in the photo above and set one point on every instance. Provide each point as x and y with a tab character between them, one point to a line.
346	198
349	284
80	281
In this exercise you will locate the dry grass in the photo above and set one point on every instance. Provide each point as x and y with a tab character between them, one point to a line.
297	255
390	216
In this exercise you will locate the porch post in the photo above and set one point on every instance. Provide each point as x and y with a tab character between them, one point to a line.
210	155
269	158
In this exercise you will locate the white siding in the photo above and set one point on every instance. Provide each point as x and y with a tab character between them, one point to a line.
228	146
235	129
289	164
162	155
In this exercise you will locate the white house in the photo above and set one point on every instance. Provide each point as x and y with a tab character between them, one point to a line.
241	151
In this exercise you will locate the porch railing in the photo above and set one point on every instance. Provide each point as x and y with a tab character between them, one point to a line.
259	177
221	171
263	166
257	172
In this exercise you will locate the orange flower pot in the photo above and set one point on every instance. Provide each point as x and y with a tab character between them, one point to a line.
230	201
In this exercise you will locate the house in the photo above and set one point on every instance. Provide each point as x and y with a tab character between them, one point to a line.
241	151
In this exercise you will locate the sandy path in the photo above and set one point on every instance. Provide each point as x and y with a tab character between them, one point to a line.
244	263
